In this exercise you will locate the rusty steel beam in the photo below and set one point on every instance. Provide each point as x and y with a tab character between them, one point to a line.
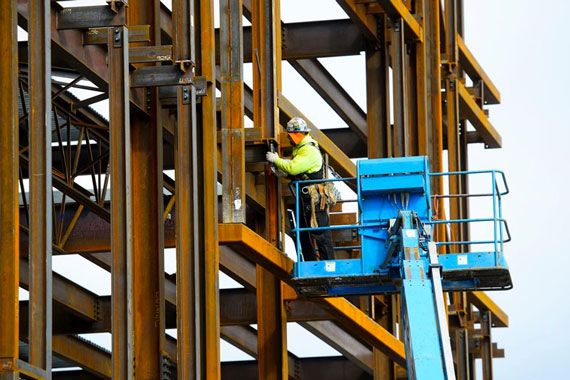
189	362
118	45
358	13
9	202
421	63
40	225
207	142
483	302
232	114
257	249
365	328
145	264
399	9
378	96
271	316
84	354
89	17
342	341
332	92
302	40
271	327
467	62
401	135
477	117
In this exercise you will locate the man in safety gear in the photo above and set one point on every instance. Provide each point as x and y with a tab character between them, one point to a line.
306	163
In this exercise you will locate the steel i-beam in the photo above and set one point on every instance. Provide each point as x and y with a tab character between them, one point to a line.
401	141
9	202
233	135
207	219
145	267
378	96
118	45
40	226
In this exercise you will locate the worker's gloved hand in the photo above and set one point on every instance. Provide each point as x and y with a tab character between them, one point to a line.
271	157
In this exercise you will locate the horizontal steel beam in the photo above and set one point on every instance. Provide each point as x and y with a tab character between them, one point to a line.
397	9
358	12
146	54
98	36
301	40
330	368
84	354
334	94
469	64
260	251
89	17
471	111
484	303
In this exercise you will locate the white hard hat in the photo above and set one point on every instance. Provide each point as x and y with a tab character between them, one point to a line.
297	124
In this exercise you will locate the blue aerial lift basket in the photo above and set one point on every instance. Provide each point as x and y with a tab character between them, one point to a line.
387	188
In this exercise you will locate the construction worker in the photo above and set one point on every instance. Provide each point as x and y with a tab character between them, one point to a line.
306	163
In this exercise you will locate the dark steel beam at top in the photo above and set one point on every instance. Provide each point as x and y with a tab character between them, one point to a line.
9	202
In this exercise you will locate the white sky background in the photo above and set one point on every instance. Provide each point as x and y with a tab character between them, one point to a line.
521	44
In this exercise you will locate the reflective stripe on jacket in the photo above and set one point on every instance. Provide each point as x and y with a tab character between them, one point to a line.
306	158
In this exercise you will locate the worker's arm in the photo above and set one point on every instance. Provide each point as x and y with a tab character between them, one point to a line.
308	157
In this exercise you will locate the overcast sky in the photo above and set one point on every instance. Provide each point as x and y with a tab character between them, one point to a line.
522	45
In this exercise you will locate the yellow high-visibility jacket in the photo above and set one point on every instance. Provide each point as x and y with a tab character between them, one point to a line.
306	158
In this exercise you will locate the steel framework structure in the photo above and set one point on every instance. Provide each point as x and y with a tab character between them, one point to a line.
160	70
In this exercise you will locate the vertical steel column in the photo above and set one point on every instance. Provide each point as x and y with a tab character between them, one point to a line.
233	135
487	345
39	126
463	143
378	122
146	274
384	368
401	127
209	249
272	322
434	108
119	122
265	100
452	110
9	202
460	342
422	83
196	199
271	327
187	294
378	95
